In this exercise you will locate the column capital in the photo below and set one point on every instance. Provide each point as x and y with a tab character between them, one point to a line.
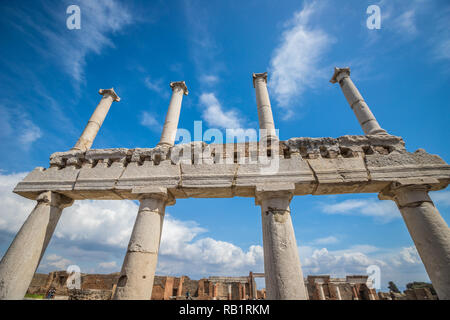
339	74
154	192
54	199
274	191
180	84
110	92
259	75
408	191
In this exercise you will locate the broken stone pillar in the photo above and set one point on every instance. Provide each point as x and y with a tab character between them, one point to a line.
365	117
427	228
283	273
20	262
265	115
173	113
95	122
138	269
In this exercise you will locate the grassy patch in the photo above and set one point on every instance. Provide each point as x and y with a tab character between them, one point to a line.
34	296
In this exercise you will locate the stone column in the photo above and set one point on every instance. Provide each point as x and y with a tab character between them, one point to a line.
320	292
173	113
365	117
427	228
337	292
283	273
20	262
95	122
263	104
138	269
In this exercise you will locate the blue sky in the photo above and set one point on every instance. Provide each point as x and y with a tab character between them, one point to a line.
50	76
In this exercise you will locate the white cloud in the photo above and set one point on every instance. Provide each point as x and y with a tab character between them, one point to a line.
214	114
382	211
108	265
402	265
99	20
156	86
441	41
295	65
55	261
149	121
15	208
16	126
29	133
105	222
209	79
326	240
408	255
405	23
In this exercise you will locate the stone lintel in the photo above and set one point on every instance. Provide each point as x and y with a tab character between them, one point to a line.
180	84
259	75
337	72
111	92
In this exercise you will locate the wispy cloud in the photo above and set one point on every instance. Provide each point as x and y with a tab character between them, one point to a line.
406	22
204	50
382	211
30	133
214	114
99	21
157	85
326	240
295	65
148	120
112	265
209	79
17	126
56	262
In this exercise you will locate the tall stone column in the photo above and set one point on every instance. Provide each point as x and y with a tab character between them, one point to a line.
20	262
95	122
265	115
138	269
173	113
427	228
283	273
365	117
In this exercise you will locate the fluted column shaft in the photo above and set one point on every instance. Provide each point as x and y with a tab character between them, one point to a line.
95	122
428	230
169	131
366	119
20	262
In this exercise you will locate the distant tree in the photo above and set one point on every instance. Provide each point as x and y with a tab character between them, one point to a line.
417	285
392	287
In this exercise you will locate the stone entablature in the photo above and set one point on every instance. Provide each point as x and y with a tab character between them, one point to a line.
348	164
